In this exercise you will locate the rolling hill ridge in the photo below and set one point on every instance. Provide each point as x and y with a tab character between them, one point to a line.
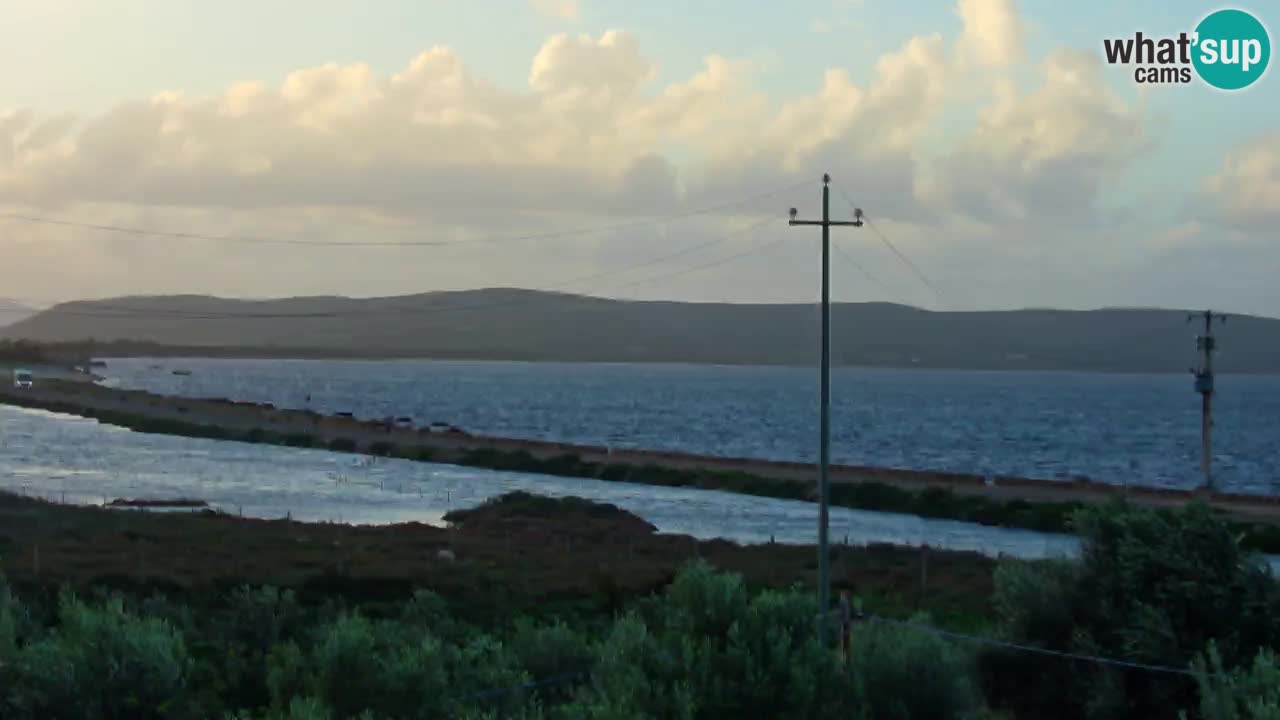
512	324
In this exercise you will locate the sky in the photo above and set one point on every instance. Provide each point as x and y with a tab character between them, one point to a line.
625	149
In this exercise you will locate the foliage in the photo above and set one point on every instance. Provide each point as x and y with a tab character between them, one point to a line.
1167	589
705	648
1152	588
1249	693
101	663
909	674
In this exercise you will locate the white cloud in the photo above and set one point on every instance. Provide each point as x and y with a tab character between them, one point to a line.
559	9
434	152
590	135
1246	189
1044	155
993	34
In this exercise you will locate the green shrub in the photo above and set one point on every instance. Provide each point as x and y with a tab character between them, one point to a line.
12	616
427	613
634	678
345	666
551	654
711	650
102	663
907	674
615	473
303	708
257	435
343	445
256	621
703	602
1151	587
1249	693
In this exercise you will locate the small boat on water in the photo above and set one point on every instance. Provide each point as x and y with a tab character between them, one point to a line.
182	373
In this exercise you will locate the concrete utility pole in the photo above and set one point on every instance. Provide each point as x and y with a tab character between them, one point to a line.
824	443
1206	344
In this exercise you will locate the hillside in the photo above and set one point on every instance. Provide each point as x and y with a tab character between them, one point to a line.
12	312
506	324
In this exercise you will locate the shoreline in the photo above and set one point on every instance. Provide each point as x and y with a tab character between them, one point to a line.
143	351
1043	505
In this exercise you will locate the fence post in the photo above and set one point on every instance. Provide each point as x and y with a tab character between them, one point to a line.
924	567
846	617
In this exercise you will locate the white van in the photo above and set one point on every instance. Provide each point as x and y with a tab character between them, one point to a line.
22	378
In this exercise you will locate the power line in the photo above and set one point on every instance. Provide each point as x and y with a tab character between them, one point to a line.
585	674
532	685
991	642
893	248
860	268
712	264
142	232
117	311
918	272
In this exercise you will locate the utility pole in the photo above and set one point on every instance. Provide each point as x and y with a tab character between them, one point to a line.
824	442
1206	344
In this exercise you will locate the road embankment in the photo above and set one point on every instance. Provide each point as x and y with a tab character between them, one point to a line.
1044	505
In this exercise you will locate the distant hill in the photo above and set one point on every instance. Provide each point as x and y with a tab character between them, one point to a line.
12	312
505	324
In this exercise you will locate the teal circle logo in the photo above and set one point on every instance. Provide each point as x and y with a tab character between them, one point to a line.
1232	49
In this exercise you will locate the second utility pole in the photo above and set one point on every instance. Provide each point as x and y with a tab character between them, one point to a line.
824	443
1206	344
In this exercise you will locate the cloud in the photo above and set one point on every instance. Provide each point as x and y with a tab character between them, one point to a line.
993	33
1046	154
590	135
559	9
1246	188
435	152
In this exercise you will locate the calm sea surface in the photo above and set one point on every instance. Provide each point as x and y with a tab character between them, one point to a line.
1139	429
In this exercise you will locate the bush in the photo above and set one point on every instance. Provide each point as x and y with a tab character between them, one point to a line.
1250	693
356	665
12	614
710	650
101	664
554	656
256	435
1151	587
256	621
343	445
906	674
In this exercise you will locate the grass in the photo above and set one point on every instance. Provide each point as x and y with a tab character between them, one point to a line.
521	553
